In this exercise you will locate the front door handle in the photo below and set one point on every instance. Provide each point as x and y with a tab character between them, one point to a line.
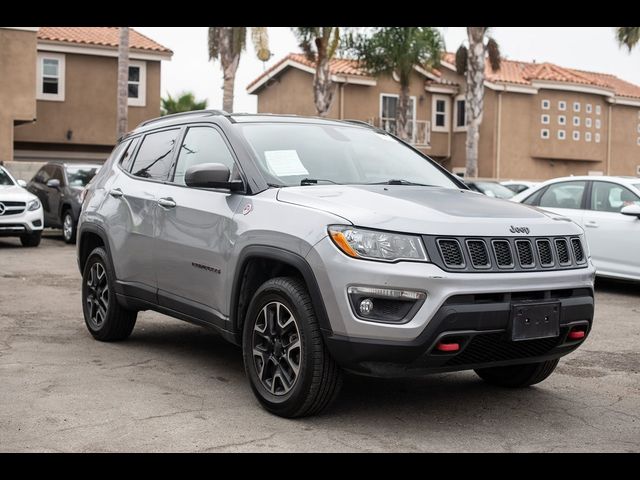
116	193
591	224
167	202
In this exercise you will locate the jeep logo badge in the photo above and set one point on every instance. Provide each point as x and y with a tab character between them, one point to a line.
2	208
519	230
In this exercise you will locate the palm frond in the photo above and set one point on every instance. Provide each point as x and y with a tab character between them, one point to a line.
628	36
260	40
462	57
493	52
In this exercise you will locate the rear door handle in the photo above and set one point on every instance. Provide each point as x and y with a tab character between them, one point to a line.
116	193
167	202
591	224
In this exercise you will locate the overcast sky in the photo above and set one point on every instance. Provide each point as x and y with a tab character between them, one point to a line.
586	48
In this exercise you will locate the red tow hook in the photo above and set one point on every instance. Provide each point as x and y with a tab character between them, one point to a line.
576	334
447	347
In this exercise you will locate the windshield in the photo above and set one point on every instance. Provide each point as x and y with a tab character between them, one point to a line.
637	185
289	153
495	190
5	179
80	176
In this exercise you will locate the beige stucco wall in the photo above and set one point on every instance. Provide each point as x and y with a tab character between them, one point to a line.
625	132
89	107
17	84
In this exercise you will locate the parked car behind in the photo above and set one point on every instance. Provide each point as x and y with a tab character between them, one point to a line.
517	186
20	211
490	188
609	210
58	185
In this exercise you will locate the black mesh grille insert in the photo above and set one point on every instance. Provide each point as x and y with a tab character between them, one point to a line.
563	251
12	212
478	253
451	253
525	253
545	252
14	204
493	347
577	249
502	250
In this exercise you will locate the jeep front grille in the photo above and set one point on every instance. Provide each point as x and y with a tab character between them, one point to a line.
515	254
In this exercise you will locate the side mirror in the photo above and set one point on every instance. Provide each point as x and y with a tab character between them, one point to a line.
22	183
631	210
211	175
53	183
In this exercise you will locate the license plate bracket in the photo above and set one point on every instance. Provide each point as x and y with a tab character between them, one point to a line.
530	321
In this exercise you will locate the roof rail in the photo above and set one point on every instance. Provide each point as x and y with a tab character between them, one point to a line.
182	114
361	122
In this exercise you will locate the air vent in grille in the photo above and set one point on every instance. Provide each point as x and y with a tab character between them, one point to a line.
478	253
577	250
545	253
502	250
451	253
563	251
525	253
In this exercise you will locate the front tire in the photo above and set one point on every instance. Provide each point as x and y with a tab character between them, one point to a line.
104	317
289	368
31	239
518	376
68	227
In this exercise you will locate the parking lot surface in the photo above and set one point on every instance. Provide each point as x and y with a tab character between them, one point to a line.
177	387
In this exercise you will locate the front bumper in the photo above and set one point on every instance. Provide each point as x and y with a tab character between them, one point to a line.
474	305
21	224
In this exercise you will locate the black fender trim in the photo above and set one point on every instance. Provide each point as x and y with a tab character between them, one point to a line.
97	230
289	258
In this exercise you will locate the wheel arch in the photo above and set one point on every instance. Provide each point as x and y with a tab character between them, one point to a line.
89	237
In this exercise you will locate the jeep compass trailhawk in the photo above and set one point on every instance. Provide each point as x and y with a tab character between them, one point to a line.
321	246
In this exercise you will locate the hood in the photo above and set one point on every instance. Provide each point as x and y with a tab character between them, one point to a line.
427	210
15	193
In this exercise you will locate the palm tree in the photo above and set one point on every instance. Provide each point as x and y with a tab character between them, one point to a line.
123	83
185	102
320	44
628	36
398	50
471	62
226	44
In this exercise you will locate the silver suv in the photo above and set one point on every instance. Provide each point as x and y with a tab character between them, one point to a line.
321	246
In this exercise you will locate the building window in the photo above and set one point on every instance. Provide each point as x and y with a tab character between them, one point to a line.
576	121
576	135
50	75
461	120
546	104
562	120
561	135
562	105
639	128
389	113
587	122
576	106
597	138
544	119
597	123
587	136
544	133
440	113
598	109
588	108
137	84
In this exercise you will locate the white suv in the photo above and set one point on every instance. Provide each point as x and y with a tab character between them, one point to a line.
20	211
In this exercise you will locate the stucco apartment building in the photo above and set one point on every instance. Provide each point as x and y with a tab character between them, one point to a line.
540	120
58	91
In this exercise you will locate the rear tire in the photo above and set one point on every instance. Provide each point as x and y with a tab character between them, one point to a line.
290	369
69	225
31	239
104	317
518	376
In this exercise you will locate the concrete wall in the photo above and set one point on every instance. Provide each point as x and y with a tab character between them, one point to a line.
23	170
17	84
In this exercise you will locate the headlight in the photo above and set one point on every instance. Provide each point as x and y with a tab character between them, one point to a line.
375	245
33	205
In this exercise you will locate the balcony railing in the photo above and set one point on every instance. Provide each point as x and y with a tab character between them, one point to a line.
419	130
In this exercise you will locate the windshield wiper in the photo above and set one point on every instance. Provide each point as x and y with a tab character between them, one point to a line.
400	182
314	181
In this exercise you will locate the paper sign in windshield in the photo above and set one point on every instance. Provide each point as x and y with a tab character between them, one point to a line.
284	163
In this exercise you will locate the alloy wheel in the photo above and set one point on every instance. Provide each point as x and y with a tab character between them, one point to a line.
276	347
67	227
97	295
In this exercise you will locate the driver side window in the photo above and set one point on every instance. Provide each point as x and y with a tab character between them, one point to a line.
611	197
563	195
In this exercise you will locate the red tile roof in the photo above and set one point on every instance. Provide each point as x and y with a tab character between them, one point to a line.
101	36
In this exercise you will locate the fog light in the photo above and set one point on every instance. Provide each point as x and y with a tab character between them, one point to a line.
366	306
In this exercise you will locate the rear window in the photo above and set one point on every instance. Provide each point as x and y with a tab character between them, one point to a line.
153	160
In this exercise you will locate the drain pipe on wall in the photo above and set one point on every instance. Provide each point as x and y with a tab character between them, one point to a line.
342	100
498	136
609	138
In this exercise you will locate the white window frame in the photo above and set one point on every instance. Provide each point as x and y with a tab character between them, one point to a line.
456	127
395	95
638	141
598	109
447	113
576	106
141	101
576	121
564	120
562	105
588	122
545	119
562	134
576	135
545	104
588	108
587	136
55	97
544	131
597	139
598	124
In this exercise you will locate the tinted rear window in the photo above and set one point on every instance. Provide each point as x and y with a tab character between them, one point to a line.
153	160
